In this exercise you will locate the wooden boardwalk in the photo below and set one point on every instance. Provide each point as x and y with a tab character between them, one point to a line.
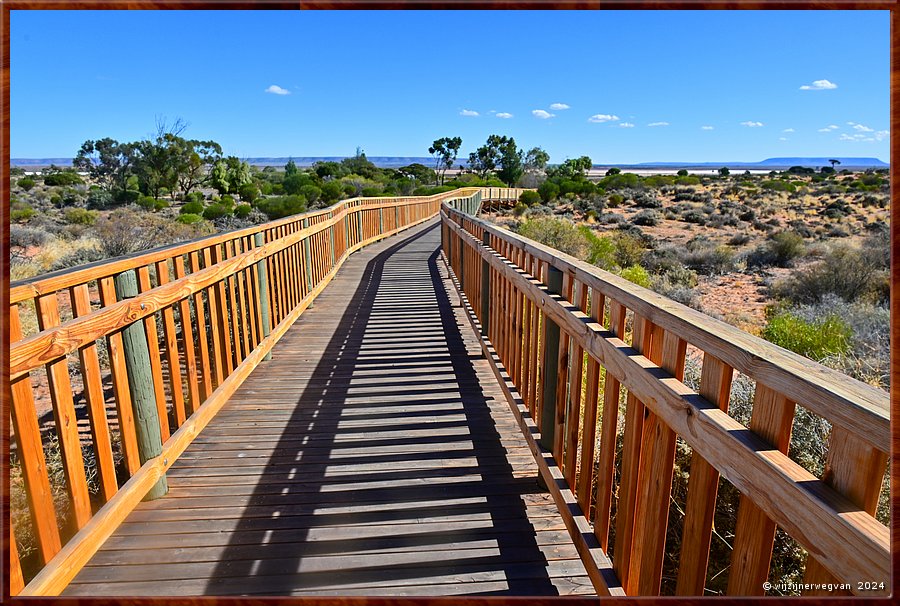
375	454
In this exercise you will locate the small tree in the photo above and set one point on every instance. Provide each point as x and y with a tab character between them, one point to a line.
724	172
444	151
834	162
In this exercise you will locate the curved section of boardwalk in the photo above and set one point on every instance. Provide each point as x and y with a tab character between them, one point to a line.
374	454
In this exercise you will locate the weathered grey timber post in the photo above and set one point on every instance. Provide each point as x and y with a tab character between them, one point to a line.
140	385
397	216
485	287
551	361
359	221
381	221
263	279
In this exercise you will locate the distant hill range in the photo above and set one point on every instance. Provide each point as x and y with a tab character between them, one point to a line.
770	163
398	161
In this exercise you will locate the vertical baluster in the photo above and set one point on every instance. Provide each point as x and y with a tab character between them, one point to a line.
96	402
703	486
608	424
654	481
31	455
589	430
854	469
170	334
573	414
64	415
562	382
194	380
221	306
754	534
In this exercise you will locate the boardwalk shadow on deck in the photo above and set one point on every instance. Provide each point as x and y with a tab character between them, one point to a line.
397	346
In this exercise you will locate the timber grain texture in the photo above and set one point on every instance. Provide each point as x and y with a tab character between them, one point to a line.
373	455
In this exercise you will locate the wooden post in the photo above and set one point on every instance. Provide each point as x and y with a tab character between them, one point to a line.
331	235
307	256
485	286
461	251
359	221
140	384
263	279
551	367
381	220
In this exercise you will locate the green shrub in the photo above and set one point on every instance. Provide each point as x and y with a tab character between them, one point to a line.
160	204
529	198
80	216
192	208
242	211
147	202
849	273
777	185
189	218
313	193
520	209
283	206
227	201
63	178
21	215
548	191
194	196
786	246
215	211
560	234
646	217
816	340
25	183
249	192
636	274
629	249
601	251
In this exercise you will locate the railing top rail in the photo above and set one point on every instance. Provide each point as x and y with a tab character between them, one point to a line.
22	290
862	409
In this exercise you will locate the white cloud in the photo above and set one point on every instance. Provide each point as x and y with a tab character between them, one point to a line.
819	85
558	106
658	124
882	135
833	127
504	115
543	115
863	129
752	124
626	124
277	90
828	128
782	138
846	137
706	128
468	112
597	118
788	130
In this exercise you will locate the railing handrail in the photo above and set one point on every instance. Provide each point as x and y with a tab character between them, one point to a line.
858	407
22	290
542	315
235	294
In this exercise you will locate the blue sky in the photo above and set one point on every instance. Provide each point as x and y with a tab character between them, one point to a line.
617	86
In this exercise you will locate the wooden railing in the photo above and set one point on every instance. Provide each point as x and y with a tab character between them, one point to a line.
152	345
567	337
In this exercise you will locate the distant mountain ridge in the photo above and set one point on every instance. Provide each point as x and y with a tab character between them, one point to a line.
398	161
772	163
